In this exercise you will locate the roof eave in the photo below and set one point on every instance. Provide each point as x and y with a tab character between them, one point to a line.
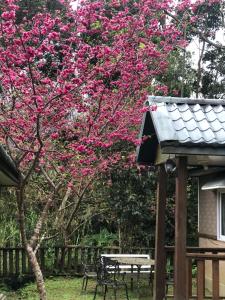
191	149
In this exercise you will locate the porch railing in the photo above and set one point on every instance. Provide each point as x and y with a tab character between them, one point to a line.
57	260
202	264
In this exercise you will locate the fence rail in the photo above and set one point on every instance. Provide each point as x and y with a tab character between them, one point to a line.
204	266
56	260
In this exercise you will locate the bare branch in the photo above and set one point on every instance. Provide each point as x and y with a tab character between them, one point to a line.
51	183
199	32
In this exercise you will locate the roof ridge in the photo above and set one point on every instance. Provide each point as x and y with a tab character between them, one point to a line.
178	100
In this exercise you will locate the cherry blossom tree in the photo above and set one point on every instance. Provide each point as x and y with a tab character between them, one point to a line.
72	87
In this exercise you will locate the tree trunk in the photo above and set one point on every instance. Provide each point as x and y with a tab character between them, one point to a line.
29	246
37	272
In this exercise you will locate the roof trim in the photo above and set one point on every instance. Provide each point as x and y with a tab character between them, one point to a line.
215	184
160	99
176	149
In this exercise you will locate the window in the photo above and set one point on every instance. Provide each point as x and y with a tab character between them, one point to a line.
221	217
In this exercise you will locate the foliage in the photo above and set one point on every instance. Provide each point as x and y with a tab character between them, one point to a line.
72	88
102	239
203	22
127	208
9	231
179	77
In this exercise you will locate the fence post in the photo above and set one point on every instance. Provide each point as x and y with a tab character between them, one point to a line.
200	279
215	275
69	259
17	261
11	261
5	269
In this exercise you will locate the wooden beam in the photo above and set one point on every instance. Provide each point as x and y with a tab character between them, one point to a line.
180	230
160	256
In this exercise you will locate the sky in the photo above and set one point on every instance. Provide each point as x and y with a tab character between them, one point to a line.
196	45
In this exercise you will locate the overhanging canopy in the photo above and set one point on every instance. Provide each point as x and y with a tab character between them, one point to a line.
183	126
217	183
9	175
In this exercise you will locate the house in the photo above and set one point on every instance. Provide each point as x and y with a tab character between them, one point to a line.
9	176
187	136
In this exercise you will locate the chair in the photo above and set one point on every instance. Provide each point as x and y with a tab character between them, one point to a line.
89	272
108	275
169	282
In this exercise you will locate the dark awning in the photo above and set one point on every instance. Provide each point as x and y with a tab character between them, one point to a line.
214	184
9	175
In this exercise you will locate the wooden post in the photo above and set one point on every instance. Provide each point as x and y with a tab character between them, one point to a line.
200	279
160	257
189	278
180	230
216	281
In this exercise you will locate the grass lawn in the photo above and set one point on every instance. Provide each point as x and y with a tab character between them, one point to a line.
61	288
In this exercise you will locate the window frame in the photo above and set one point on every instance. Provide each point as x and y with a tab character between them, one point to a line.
220	236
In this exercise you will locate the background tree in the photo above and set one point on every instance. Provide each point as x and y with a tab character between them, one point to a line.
72	87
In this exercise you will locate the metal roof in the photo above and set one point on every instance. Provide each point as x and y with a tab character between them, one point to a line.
184	126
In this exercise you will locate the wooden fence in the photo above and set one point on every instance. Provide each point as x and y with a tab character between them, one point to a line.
205	272
55	260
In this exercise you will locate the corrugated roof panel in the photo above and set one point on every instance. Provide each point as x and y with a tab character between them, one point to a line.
175	114
196	136
191	124
220	115
220	136
218	109
208	108
183	107
179	124
185	112
183	136
210	114
197	121
198	113
208	136
171	107
204	125
216	125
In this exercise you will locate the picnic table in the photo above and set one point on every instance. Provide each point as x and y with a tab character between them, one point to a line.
140	264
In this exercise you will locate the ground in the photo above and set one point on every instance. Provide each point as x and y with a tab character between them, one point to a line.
62	288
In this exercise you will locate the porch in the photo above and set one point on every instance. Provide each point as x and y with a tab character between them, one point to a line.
199	283
184	137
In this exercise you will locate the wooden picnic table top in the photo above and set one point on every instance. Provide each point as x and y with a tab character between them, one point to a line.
138	261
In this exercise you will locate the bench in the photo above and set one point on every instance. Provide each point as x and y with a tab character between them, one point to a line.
131	268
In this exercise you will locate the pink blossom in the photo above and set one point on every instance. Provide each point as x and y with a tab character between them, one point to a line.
75	84
8	15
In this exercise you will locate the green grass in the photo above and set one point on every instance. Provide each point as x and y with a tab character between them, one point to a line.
61	288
